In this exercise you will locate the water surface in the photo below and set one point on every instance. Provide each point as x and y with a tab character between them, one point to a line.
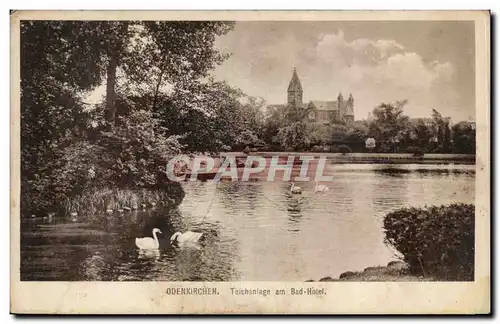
257	230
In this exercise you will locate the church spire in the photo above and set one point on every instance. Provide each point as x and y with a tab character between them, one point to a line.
295	82
295	89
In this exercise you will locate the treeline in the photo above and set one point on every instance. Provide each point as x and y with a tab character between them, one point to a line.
159	100
289	129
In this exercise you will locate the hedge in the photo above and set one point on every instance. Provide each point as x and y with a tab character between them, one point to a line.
435	241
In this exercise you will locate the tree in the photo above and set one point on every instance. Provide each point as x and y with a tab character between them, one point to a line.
359	128
61	61
251	109
58	65
338	131
446	138
297	132
388	125
438	124
464	138
274	119
295	136
423	134
442	131
173	54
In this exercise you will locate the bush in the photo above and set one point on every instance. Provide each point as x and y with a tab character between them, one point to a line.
434	241
132	157
344	149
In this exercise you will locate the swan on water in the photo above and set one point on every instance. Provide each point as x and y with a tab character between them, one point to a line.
186	237
320	188
148	243
295	189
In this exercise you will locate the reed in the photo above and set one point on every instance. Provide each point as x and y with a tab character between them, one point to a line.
101	200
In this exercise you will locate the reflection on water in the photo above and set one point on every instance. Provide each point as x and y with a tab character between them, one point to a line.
256	230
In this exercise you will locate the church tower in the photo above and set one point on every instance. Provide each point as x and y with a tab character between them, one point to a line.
295	90
349	113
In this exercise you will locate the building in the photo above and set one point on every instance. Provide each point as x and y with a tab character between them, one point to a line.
322	112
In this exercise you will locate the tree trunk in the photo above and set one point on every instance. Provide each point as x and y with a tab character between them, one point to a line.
114	61
157	89
110	91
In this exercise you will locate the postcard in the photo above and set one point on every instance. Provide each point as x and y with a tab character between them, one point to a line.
250	162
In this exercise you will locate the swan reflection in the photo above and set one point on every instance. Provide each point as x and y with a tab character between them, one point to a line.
149	255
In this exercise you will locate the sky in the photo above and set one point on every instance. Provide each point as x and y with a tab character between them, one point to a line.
431	64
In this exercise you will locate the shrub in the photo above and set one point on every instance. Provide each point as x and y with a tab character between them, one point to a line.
133	157
136	153
436	241
344	149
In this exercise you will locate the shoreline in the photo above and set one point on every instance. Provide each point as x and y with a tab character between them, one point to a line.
368	158
393	271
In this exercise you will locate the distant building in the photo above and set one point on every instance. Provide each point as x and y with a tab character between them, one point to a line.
323	112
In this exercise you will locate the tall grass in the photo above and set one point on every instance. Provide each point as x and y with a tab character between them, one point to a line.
101	200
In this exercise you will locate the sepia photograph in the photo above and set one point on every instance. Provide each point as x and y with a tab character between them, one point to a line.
301	151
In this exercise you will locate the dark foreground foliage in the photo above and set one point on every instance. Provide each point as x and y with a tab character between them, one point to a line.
435	241
87	157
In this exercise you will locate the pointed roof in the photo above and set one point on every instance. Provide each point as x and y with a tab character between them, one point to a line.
295	82
325	105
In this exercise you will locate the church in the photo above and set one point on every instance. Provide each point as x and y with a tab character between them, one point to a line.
322	112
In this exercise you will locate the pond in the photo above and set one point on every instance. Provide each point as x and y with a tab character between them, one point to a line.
256	230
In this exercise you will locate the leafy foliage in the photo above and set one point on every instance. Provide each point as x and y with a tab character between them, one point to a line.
296	136
389	125
297	131
69	147
464	138
423	134
137	151
435	241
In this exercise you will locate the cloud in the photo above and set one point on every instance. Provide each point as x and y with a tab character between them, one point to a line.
374	70
334	48
364	59
383	70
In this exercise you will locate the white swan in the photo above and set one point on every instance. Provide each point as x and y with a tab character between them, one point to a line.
148	243
295	189
186	237
320	188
